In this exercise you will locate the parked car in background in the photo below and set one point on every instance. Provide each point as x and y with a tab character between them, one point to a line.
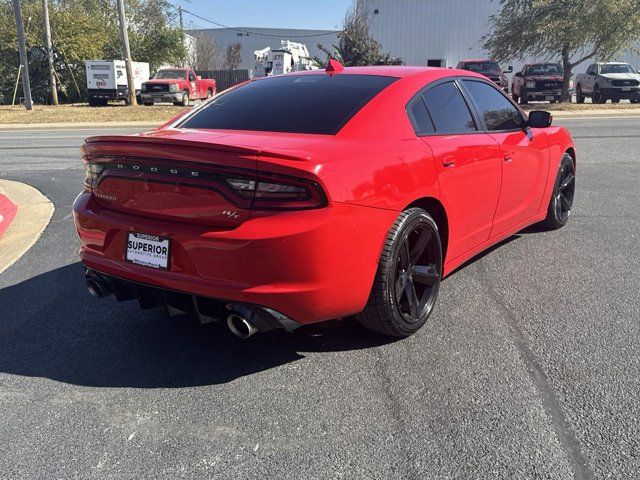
279	203
177	85
107	80
608	81
539	81
489	69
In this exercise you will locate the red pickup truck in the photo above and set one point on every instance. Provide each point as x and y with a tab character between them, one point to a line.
176	85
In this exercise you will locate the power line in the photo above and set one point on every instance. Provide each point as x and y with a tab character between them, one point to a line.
247	32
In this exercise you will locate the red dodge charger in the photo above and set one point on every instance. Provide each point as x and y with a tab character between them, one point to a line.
318	195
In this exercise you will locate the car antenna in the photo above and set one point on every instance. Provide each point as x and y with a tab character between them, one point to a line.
334	66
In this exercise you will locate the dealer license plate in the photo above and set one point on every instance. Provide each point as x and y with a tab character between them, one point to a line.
549	97
148	250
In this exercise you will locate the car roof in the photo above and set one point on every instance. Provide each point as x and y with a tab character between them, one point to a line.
397	71
471	60
541	63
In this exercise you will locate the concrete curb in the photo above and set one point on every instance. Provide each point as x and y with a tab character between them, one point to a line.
33	213
8	212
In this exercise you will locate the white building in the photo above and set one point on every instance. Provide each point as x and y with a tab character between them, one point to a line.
252	39
438	32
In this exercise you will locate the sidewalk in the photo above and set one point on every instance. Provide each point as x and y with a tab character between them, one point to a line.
31	214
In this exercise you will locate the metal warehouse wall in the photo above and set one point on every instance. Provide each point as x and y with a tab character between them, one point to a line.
451	30
256	40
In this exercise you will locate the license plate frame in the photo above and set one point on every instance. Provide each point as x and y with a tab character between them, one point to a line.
148	256
549	97
626	89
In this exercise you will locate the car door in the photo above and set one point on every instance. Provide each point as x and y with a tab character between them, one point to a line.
525	162
193	81
468	163
590	79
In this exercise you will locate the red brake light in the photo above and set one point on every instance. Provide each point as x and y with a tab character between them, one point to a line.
276	192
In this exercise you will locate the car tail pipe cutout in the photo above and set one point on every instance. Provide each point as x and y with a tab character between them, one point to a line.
247	320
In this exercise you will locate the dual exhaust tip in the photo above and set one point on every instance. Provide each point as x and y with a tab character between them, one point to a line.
241	321
240	326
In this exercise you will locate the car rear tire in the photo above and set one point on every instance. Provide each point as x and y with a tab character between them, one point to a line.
579	95
408	278
562	197
523	97
515	97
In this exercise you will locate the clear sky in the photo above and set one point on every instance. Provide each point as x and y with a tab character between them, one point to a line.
306	14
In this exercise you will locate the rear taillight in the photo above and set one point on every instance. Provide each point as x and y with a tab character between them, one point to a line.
92	172
275	192
262	191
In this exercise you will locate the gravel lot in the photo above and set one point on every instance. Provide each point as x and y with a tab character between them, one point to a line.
529	367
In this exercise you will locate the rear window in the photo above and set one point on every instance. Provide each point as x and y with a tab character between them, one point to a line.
291	103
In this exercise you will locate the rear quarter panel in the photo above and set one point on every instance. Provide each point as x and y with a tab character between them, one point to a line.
560	141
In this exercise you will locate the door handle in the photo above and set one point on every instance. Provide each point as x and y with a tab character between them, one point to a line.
507	159
448	161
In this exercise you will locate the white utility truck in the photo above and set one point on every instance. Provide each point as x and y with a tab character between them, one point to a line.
290	57
107	80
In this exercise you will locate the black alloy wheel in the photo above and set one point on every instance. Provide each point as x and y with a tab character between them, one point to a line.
561	202
408	277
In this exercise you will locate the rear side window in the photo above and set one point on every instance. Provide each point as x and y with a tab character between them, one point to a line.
496	110
420	118
291	103
448	109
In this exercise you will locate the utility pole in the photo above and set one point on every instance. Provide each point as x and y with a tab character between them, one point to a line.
26	85
184	44
47	33
124	37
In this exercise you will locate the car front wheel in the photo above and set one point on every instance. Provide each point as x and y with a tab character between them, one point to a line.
408	278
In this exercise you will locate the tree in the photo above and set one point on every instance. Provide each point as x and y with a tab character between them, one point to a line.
233	57
572	31
208	55
356	47
84	30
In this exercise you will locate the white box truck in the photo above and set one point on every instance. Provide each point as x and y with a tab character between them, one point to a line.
107	80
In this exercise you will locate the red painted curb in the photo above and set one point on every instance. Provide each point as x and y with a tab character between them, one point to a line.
7	213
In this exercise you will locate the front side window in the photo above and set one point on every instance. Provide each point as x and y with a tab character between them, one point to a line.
496	110
317	103
448	109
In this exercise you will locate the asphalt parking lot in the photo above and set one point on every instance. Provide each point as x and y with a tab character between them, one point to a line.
528	368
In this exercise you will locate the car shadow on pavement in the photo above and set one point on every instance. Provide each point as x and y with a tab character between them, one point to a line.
51	327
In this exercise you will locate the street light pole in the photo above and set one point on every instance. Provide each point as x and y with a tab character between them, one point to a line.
124	36
26	84
52	73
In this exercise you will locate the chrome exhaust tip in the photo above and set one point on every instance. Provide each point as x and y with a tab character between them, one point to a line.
240	326
97	288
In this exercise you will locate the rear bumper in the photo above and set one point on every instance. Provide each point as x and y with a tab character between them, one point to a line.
310	265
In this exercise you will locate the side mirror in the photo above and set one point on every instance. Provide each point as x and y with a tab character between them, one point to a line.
199	77
519	74
509	69
540	119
